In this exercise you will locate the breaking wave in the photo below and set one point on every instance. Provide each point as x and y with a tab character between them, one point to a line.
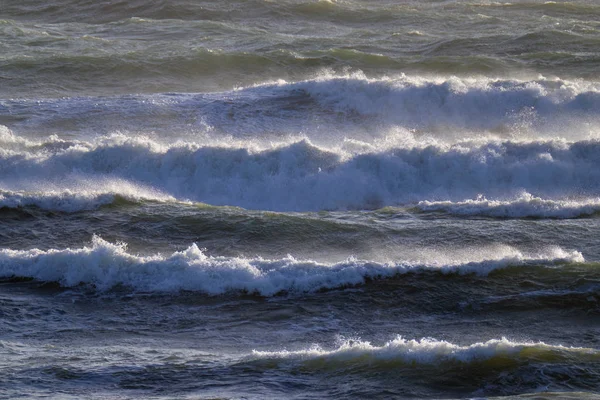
303	177
105	265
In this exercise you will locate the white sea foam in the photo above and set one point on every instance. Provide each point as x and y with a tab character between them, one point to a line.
524	205
430	351
107	265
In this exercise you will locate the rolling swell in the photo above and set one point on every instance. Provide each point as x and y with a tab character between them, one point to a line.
105	266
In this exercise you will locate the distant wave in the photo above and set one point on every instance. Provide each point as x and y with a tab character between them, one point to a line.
431	351
105	265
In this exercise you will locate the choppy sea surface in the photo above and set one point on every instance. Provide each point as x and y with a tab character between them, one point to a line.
299	199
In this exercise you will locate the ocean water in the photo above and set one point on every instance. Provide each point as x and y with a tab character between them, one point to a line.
299	199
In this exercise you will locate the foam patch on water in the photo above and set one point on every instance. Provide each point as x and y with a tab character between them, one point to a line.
106	265
431	351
